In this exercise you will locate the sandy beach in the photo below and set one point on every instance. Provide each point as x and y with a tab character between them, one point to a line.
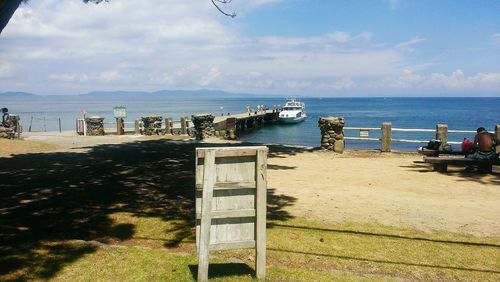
394	189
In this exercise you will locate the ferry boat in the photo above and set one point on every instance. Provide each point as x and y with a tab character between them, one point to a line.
293	112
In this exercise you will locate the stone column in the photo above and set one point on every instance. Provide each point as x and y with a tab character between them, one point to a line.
152	125
386	137
203	125
332	133
95	126
137	127
168	125
442	134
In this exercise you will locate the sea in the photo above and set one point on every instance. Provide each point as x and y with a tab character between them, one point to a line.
42	113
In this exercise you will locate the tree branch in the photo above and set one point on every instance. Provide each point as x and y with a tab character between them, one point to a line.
222	11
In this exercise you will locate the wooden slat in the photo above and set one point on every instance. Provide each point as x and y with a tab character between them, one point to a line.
231	185
206	209
261	206
230	214
230	152
233	245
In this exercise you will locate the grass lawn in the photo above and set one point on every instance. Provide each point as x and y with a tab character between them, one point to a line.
298	250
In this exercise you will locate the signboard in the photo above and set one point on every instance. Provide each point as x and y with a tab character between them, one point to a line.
364	133
120	112
231	187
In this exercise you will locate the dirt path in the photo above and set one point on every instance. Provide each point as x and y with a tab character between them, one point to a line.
389	189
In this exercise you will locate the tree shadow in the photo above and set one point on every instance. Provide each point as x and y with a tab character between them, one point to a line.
464	173
353	258
219	270
57	197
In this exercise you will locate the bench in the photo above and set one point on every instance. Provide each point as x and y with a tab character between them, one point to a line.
441	163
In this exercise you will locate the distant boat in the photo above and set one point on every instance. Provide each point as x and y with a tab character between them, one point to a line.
293	112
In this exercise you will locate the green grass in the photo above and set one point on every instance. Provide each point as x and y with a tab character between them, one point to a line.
298	250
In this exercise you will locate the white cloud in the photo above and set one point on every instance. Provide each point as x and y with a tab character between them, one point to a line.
412	41
496	39
69	77
70	47
394	4
457	80
6	69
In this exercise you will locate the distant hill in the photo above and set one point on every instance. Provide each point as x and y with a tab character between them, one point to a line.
16	94
203	93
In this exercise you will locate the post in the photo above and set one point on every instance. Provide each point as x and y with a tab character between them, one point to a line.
442	134
168	125
497	134
206	218
386	136
137	128
120	126
59	121
84	126
183	125
260	208
187	123
31	123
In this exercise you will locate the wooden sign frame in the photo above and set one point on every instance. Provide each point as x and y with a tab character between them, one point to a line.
231	202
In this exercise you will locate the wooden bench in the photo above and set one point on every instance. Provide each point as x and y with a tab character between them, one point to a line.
441	163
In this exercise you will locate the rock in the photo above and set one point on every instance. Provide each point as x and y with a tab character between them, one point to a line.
332	136
95	126
151	125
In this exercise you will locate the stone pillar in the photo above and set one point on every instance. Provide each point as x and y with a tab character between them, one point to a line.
332	133
168	125
183	125
442	134
120	126
204	125
95	126
152	125
386	137
137	127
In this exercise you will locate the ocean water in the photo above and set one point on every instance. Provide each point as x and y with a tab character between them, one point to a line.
43	112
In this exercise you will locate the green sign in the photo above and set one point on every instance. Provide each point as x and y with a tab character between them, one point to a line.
120	112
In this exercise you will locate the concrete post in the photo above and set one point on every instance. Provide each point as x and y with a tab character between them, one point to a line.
137	127
442	134
120	126
183	125
168	125
386	137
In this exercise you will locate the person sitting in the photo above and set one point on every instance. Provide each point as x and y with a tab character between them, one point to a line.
484	144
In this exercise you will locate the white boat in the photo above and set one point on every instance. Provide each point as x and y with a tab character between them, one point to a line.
293	112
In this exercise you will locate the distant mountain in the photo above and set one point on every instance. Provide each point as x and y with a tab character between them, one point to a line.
203	93
16	94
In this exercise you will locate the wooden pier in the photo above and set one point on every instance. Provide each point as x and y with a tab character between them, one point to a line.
244	121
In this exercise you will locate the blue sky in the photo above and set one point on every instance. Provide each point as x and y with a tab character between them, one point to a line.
287	47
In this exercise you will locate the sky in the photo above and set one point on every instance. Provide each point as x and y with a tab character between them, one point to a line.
276	47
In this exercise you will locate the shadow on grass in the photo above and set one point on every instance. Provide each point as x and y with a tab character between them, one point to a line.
218	270
51	198
386	261
392	236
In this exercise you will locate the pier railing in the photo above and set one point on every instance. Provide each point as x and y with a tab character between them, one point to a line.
386	134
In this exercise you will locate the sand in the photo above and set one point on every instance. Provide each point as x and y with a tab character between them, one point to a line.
394	189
